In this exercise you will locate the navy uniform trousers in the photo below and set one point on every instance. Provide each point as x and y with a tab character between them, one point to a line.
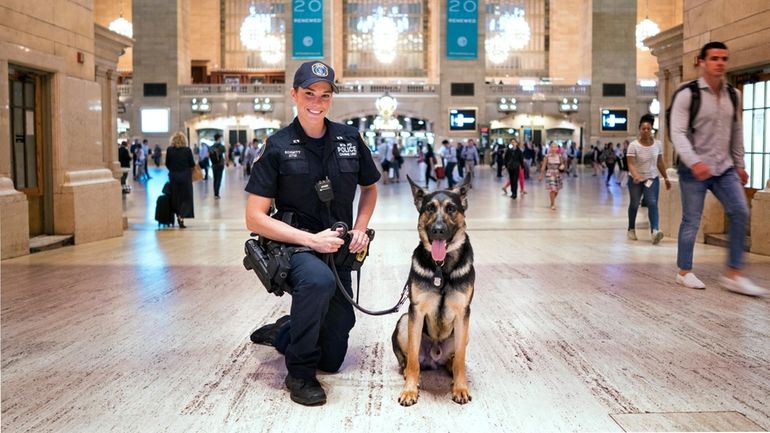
321	318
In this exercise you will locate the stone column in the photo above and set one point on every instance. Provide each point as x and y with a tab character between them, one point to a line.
666	46
161	55
459	71
109	46
613	60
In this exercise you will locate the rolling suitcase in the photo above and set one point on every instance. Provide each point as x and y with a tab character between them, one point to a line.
163	214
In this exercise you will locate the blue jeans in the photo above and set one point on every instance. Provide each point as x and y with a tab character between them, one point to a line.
650	195
728	190
321	318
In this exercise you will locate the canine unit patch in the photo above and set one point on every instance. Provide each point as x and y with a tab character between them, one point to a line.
347	150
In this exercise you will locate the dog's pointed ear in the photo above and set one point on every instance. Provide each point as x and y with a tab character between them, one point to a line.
417	193
463	189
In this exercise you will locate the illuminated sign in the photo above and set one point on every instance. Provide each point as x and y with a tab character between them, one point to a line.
614	120
155	120
462	119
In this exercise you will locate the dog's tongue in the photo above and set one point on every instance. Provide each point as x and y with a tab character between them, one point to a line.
438	250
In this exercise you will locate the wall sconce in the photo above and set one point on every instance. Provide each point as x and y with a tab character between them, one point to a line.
263	105
568	106
201	106
507	105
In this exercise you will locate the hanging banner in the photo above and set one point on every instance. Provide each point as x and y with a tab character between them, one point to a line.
308	29
462	29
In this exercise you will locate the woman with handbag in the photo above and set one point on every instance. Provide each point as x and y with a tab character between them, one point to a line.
552	167
180	163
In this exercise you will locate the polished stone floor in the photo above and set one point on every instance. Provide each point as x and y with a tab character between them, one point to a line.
573	327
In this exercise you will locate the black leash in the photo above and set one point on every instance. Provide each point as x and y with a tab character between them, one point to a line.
329	258
326	195
354	302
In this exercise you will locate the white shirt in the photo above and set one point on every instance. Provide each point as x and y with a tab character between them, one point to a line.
646	158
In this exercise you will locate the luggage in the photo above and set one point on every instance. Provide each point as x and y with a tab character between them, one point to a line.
440	172
163	212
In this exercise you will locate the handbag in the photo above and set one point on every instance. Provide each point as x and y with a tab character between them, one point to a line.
197	173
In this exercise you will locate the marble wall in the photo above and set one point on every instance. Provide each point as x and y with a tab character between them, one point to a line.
741	25
569	58
57	38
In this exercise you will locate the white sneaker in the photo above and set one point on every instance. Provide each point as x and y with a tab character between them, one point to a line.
657	236
631	235
743	286
690	281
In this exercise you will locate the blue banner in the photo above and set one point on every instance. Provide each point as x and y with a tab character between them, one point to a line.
462	29
308	29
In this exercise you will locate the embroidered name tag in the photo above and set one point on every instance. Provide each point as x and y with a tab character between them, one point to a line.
347	150
292	154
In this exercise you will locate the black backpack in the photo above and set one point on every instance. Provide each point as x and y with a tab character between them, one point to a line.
695	104
214	156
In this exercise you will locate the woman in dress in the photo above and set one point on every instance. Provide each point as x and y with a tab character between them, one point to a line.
645	163
180	161
552	167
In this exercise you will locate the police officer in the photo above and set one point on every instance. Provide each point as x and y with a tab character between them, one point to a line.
311	149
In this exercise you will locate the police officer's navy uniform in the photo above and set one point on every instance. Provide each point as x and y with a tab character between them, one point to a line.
321	318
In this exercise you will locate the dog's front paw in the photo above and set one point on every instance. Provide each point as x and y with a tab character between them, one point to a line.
461	395
408	397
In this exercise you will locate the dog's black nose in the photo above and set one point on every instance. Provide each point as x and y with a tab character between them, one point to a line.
438	230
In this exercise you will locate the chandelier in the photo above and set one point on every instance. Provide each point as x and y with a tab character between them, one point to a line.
512	33
386	105
384	29
122	26
255	36
644	30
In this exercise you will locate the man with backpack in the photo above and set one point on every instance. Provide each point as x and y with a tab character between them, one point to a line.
710	148
217	159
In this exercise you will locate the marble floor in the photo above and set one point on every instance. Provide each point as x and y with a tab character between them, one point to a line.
573	327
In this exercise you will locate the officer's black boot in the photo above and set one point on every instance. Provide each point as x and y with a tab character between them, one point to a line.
307	392
266	335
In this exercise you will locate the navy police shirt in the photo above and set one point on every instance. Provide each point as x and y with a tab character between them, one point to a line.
293	163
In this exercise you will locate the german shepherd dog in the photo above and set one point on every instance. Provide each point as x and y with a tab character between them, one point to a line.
434	333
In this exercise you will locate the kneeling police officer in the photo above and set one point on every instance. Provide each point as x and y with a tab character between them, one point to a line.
308	151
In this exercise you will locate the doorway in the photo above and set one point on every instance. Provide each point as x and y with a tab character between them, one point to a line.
29	96
237	136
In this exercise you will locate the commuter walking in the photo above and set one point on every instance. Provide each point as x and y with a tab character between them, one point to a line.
180	161
711	153
552	168
218	160
645	163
